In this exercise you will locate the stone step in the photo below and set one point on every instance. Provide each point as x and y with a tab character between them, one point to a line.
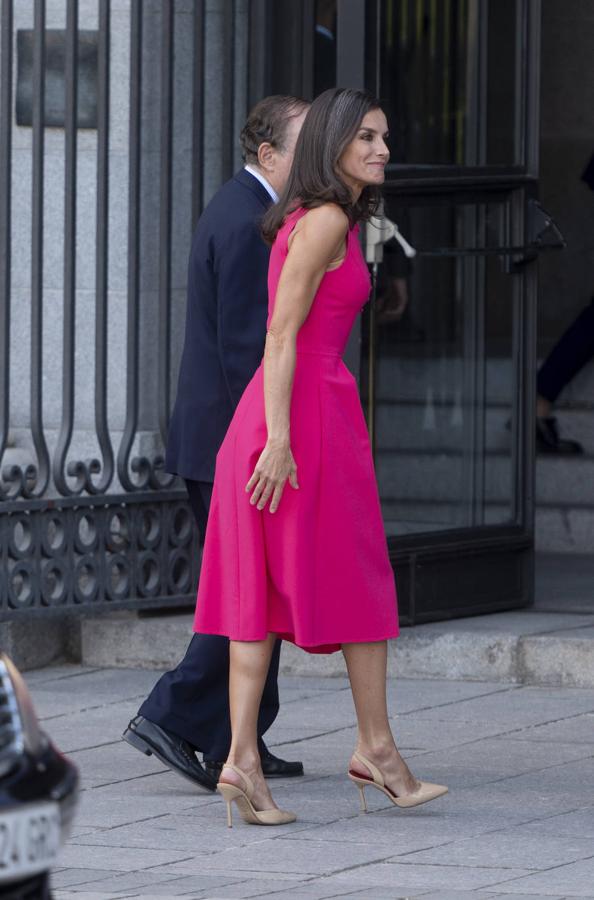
557	529
564	529
525	647
435	427
408	426
414	517
419	378
443	476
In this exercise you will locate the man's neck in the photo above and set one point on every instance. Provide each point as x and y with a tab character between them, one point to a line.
259	174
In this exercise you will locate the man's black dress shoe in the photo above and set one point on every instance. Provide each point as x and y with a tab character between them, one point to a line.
272	766
548	439
172	750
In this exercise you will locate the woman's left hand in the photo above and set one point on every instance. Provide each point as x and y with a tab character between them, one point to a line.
275	465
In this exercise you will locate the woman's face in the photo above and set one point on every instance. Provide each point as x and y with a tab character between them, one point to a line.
364	159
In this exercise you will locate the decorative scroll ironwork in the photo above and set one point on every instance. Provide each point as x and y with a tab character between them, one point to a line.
107	525
123	552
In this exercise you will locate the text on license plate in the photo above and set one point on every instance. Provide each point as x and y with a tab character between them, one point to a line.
29	839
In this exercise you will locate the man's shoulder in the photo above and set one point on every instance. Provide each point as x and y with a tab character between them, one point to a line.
236	198
233	217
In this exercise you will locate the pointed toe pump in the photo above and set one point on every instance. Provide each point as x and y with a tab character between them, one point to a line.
243	798
424	794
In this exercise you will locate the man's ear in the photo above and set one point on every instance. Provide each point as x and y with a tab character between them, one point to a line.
266	155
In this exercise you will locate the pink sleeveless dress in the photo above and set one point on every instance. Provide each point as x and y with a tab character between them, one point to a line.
316	571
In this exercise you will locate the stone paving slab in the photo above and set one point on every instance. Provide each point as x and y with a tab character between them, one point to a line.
507	848
518	821
578	729
578	823
406	877
505	756
573	880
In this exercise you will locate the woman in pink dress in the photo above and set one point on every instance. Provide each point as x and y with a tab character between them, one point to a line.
295	544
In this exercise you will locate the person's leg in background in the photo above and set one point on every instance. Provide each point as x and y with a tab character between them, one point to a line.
571	353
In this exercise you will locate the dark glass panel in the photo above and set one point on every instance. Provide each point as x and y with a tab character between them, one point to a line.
324	46
446	73
444	370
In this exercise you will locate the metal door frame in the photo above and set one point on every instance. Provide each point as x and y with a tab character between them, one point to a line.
424	563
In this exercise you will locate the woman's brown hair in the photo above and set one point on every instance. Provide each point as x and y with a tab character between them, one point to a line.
329	127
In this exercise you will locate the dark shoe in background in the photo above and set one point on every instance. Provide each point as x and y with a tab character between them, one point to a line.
272	766
549	441
171	750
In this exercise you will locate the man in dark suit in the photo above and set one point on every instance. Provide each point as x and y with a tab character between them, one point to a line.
188	709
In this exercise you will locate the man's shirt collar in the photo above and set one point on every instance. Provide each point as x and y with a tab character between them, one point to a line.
266	184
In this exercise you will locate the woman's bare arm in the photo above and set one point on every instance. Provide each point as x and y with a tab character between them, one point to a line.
316	241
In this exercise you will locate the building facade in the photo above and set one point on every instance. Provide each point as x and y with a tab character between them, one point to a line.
118	122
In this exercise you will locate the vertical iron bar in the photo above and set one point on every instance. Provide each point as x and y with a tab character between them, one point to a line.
258	53
350	44
5	217
41	477
167	49
350	72
528	86
133	250
308	25
101	270
198	113
227	136
69	308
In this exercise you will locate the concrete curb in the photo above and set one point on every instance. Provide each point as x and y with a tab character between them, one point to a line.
521	647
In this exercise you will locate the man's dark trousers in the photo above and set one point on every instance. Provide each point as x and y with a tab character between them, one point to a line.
192	701
573	350
224	342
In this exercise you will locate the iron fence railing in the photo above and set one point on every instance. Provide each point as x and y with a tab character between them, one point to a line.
88	516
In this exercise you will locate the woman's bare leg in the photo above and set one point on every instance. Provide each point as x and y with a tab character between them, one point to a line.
367	667
248	668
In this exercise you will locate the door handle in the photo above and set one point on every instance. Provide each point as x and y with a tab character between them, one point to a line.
542	232
378	231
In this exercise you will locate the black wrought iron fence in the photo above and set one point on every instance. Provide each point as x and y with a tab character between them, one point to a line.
92	281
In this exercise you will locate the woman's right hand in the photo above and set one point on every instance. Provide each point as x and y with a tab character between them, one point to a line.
275	465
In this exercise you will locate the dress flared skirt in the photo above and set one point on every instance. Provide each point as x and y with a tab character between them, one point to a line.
317	571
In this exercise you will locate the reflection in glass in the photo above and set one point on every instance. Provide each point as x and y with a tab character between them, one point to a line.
447	73
324	46
444	372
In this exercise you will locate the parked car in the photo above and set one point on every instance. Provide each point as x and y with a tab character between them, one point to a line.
38	793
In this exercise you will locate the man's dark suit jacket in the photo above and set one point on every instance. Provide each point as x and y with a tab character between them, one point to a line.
225	324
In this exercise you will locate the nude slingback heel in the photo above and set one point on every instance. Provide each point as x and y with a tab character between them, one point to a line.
243	798
424	794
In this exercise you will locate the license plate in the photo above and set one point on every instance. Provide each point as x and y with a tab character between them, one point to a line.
29	840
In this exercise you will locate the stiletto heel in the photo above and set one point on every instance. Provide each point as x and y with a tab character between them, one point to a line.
362	798
424	794
246	808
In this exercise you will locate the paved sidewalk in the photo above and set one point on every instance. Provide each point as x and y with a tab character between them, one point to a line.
518	823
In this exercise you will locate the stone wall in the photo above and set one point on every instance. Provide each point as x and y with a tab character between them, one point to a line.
84	443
